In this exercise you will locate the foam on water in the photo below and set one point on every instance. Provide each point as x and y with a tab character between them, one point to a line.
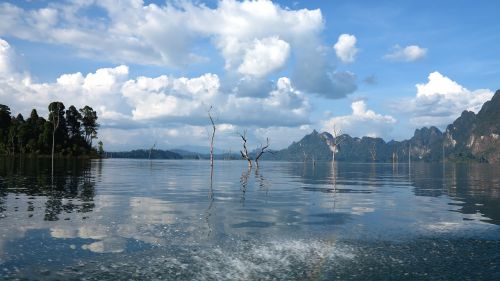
274	260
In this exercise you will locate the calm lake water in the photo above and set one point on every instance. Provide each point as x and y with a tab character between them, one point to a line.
123	219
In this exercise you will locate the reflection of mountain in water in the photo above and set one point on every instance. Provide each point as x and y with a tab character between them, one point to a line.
344	177
473	186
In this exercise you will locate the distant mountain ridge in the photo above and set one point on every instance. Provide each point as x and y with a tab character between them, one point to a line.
144	154
469	137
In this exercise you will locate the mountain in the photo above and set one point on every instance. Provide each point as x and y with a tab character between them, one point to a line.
196	155
469	137
311	146
145	154
474	136
196	149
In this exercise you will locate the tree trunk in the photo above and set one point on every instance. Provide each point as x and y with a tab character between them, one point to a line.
212	138
53	145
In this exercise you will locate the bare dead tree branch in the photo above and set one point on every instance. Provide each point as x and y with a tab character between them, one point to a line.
373	152
244	152
212	137
334	144
262	151
151	150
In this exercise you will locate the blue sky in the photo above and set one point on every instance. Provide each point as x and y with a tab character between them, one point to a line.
276	69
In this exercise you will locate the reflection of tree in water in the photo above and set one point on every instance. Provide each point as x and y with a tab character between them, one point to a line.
3	194
263	184
328	178
211	198
244	184
475	186
70	190
260	180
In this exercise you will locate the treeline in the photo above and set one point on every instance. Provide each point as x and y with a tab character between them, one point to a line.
146	154
69	132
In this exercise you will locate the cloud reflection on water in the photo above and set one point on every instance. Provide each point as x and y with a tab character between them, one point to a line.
170	205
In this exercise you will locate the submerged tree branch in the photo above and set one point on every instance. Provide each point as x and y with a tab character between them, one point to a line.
244	152
261	152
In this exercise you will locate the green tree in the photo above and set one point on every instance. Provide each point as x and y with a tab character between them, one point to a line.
58	122
100	149
34	126
73	123
65	132
22	133
5	121
56	117
89	122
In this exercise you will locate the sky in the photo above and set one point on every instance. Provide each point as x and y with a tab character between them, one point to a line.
273	69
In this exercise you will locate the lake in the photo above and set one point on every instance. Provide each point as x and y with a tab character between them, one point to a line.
123	219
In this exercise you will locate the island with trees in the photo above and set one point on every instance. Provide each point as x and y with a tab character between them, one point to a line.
65	133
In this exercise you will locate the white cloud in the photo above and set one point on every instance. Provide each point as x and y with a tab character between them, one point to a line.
441	100
145	103
160	35
362	122
248	86
6	55
345	48
253	37
407	54
264	57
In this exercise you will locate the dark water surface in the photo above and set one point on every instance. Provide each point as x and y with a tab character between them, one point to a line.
167	220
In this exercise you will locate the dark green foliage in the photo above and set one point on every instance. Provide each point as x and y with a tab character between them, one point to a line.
100	149
5	120
34	135
73	122
144	154
89	122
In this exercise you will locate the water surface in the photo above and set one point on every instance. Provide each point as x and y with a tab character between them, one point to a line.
127	219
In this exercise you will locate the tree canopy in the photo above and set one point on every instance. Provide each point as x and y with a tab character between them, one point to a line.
73	131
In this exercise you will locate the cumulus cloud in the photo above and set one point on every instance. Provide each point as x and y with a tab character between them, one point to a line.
165	34
254	38
248	86
345	48
176	107
6	57
264	56
441	100
406	54
314	77
361	122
